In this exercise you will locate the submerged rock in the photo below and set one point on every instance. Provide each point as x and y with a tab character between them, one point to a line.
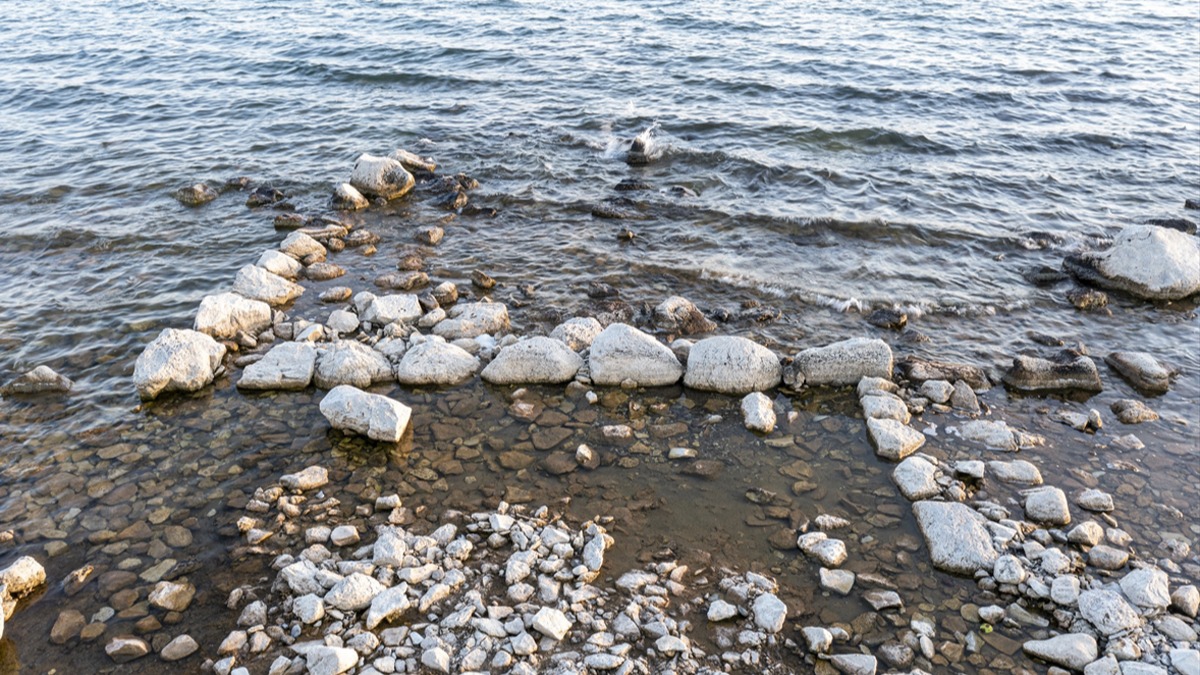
537	360
957	537
917	369
197	194
1141	370
40	380
731	365
843	363
289	365
1030	373
622	352
177	360
377	417
381	177
1149	262
1129	411
225	314
472	319
256	283
436	362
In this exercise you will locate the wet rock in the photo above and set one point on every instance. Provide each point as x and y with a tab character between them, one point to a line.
436	362
885	407
1107	557
309	478
264	196
890	319
299	245
1129	411
854	664
375	416
917	369
287	366
472	319
894	440
1072	650
1141	370
347	198
125	649
40	380
937	391
482	281
731	365
842	363
381	177
1095	500
336	294
917	478
1147	587
67	626
536	360
1108	611
1030	373
381	310
1018	471
198	194
258	284
177	360
350	362
622	352
446	293
323	271
963	398
431	236
758	413
1145	261
678	315
830	552
577	333
956	536
1047	505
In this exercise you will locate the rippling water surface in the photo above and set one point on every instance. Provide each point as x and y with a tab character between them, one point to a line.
834	155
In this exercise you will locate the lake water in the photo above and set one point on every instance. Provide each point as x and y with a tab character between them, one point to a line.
814	161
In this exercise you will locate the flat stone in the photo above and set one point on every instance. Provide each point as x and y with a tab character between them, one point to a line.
388	605
854	664
1017	471
731	365
957	537
1071	650
882	407
323	660
1129	411
552	623
1107	557
66	627
287	366
894	440
281	264
125	649
350	362
839	581
40	380
992	433
381	310
1108	611
309	478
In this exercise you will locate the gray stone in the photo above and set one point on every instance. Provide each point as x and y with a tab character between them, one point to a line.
258	284
1104	666
342	321
388	605
434	362
844	362
1030	373
40	380
819	640
347	198
1108	611
1065	590
720	610
309	608
288	365
622	352
854	664
299	246
123	649
894	440
310	478
472	319
757	413
225	314
938	391
964	398
177	360
381	310
769	613
839	581
1009	570
1017	471
375	416
731	365
957	537
1186	599
678	315
1147	587
885	407
353	593
536	360
917	478
280	263
1146	261
350	362
552	623
1141	370
1087	533
577	333
992	433
1095	500
1071	650
1047	505
323	660
1107	557
381	177
179	648
1186	661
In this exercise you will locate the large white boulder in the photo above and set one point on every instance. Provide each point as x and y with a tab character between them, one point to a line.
350	362
842	363
384	309
731	365
371	415
1148	261
957	537
288	365
622	352
436	362
472	319
381	177
258	284
577	333
538	360
224	314
177	360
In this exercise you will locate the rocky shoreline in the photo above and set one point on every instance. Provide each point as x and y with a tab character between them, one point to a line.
1041	568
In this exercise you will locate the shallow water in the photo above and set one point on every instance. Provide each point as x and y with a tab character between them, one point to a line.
862	156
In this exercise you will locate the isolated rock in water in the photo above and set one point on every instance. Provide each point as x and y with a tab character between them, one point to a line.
1155	263
1072	650
917	478
299	245
436	362
957	537
195	195
843	363
381	177
894	440
280	263
351	362
374	416
1108	611
380	310
1030	373
1141	370
678	315
40	380
289	365
177	360
347	198
757	412
622	352
917	369
537	360
577	333
473	319
1129	411
731	365
224	314
256	283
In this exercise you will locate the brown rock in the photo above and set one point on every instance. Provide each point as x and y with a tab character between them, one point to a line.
483	281
323	271
558	463
545	439
68	626
92	631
